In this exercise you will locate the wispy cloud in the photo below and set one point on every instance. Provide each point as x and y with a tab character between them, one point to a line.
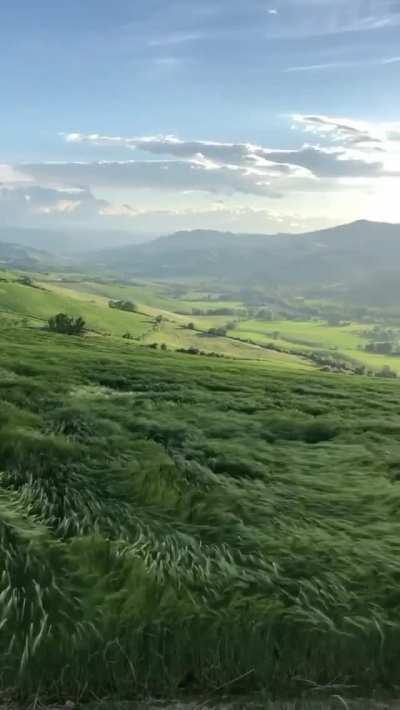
359	134
382	61
167	62
176	38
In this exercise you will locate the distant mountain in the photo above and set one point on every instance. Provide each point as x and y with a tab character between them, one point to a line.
16	256
348	254
360	260
68	241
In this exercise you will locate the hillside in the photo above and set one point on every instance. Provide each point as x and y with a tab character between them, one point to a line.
67	241
349	255
34	301
16	256
190	523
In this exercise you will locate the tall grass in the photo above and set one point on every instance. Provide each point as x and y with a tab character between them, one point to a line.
170	525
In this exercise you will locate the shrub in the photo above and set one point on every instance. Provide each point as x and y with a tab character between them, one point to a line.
123	305
68	325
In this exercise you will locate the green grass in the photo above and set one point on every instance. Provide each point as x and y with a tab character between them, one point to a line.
316	335
175	336
174	524
158	295
38	304
41	303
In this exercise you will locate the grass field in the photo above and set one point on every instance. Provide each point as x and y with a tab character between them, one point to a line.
189	523
176	525
50	297
175	304
290	335
313	335
40	303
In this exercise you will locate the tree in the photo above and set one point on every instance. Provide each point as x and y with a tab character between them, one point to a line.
68	325
123	306
217	332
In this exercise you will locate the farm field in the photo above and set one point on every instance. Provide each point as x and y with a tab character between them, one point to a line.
314	335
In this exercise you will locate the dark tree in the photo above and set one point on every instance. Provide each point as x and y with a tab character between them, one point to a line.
68	325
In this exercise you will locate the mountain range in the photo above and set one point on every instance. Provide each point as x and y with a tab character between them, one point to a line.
361	255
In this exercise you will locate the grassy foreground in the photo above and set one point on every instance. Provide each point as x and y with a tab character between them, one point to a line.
175	524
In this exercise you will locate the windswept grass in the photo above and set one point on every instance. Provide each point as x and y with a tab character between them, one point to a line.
172	524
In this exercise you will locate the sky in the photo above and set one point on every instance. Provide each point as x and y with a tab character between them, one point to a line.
241	115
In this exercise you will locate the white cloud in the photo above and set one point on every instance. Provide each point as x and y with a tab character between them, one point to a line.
339	129
343	65
363	136
26	203
164	175
254	161
216	215
176	38
345	166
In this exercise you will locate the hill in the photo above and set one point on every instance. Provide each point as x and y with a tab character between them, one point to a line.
16	256
67	241
348	256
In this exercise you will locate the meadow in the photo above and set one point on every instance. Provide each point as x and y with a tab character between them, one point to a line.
180	304
172	524
175	525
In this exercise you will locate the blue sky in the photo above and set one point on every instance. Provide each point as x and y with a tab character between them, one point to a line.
86	83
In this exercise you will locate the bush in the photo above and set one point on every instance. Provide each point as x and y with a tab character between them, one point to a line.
123	305
386	371
68	325
217	332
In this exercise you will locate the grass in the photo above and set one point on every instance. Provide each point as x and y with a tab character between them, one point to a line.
336	702
175	336
175	525
172	302
314	335
36	305
170	524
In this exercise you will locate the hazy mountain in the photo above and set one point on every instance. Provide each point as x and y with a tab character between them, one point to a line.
361	259
17	256
69	241
348	253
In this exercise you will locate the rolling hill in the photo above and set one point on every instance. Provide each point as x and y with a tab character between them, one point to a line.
360	260
17	256
349	255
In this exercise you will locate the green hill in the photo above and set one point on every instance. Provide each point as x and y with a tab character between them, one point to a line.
349	257
34	301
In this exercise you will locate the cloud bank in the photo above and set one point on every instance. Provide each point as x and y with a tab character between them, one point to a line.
341	155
